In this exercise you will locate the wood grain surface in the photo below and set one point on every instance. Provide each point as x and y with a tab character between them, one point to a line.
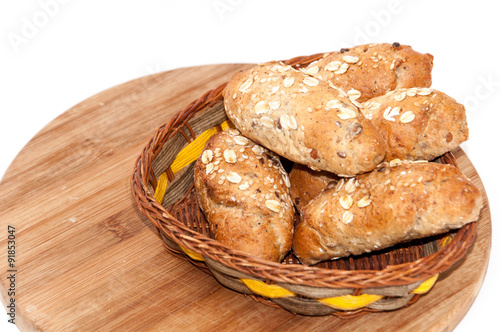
88	260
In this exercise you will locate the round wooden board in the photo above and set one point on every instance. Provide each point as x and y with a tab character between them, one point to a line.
87	259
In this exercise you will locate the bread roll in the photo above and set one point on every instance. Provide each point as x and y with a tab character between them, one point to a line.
367	71
245	196
302	119
384	207
307	183
417	123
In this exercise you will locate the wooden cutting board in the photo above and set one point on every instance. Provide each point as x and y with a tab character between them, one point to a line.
86	259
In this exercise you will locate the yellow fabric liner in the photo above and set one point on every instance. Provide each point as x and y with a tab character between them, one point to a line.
445	241
350	302
194	255
426	285
161	188
185	157
270	291
345	302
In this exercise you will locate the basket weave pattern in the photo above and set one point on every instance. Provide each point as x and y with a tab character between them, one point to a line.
162	185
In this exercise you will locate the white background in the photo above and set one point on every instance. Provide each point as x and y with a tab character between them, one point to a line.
56	53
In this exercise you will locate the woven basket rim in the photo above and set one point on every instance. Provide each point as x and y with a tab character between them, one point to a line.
392	275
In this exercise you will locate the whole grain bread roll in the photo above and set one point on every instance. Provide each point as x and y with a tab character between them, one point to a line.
384	207
302	119
307	184
245	196
368	71
417	123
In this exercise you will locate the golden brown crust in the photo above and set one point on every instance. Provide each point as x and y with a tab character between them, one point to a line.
245	196
302	119
307	183
384	207
372	70
417	123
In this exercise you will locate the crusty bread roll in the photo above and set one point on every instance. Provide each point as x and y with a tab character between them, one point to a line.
367	71
384	207
307	183
245	196
302	119
417	123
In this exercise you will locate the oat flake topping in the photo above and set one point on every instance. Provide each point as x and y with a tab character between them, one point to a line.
333	66
230	156
241	140
347	217
365	201
233	177
350	185
343	68
273	205
407	117
400	97
209	169
310	81
246	85
346	201
345	113
207	156
267	122
288	82
424	91
261	107
350	58
311	70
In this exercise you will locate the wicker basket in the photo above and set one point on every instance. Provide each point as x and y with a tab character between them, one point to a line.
384	280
